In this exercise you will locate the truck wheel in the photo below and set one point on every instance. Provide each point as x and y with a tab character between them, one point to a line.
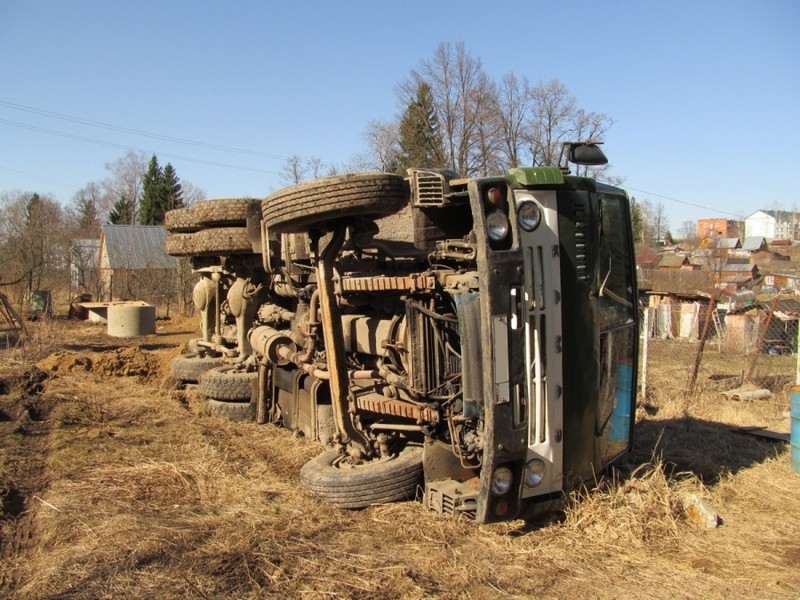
359	486
226	383
224	212
180	244
298	208
181	220
235	411
222	241
190	366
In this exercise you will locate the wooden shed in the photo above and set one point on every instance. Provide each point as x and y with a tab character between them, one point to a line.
134	264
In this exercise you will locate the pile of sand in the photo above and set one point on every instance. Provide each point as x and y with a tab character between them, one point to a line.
121	362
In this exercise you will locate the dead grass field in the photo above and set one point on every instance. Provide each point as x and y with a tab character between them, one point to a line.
113	486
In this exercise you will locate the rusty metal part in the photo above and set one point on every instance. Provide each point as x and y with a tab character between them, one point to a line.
204	296
367	335
409	283
270	343
334	343
397	408
216	277
243	306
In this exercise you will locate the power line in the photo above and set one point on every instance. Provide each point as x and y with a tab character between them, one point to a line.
206	145
38	178
126	147
738	216
158	136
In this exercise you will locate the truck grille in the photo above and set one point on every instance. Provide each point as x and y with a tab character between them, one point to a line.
428	189
581	263
452	498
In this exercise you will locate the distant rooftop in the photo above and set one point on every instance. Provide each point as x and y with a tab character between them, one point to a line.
136	247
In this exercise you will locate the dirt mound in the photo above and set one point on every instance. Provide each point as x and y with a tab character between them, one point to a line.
120	362
128	362
65	362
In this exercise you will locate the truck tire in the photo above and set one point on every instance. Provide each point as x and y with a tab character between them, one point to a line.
222	241
224	212
181	244
375	482
235	411
299	208
181	220
189	367
227	384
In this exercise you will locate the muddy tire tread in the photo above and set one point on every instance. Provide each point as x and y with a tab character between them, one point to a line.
375	483
298	208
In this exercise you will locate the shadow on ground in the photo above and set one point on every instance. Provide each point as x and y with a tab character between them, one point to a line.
706	449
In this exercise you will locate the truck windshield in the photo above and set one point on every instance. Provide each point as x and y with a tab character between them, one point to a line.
614	277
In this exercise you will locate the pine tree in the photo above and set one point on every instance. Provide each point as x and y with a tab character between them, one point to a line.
161	191
420	139
173	193
88	217
151	211
122	212
31	210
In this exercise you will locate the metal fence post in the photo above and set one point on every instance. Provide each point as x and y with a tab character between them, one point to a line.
645	346
797	358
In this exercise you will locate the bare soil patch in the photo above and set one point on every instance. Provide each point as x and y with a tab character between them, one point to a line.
114	486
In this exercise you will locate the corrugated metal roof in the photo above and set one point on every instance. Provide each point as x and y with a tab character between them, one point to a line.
729	243
673	260
753	243
136	247
738	268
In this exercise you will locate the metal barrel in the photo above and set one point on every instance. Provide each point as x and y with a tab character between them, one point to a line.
619	427
795	437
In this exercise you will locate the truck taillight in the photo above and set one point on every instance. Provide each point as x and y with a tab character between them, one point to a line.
494	197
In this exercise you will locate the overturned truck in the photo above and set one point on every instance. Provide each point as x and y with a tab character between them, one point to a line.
469	341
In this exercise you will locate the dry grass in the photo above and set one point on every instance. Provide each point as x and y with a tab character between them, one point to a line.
139	494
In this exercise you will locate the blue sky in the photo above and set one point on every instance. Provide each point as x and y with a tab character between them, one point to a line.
704	95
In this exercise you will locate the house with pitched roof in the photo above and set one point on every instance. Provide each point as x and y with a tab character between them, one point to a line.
134	264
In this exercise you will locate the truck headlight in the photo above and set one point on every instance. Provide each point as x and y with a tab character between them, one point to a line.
502	478
534	472
497	225
529	216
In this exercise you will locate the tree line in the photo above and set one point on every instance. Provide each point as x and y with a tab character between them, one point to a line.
452	115
455	116
47	245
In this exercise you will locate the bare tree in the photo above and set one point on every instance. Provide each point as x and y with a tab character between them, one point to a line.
83	211
655	224
297	169
292	170
688	231
191	193
127	175
382	139
514	110
553	112
33	247
463	97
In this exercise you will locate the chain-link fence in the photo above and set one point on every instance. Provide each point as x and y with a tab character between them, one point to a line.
691	347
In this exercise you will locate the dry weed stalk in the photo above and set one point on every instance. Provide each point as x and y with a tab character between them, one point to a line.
643	509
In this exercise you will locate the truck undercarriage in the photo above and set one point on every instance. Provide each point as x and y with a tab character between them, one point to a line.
364	311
